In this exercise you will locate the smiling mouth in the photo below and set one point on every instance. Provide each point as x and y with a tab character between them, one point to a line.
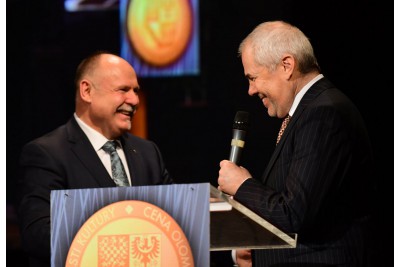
263	100
127	112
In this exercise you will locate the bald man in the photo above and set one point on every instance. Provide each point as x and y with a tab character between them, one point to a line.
72	156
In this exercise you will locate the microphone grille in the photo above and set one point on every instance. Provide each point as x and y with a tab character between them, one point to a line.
241	121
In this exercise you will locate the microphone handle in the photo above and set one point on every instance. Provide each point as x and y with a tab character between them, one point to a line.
236	152
237	145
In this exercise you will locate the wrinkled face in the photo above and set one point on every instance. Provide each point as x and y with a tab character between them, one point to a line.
113	97
272	87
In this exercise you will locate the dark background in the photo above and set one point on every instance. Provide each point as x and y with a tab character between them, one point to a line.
190	118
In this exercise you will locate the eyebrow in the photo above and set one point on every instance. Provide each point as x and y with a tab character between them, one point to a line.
250	77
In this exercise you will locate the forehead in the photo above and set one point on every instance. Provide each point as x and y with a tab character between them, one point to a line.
113	63
114	68
247	56
249	65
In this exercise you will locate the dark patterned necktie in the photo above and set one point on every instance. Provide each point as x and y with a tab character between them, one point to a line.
283	127
118	171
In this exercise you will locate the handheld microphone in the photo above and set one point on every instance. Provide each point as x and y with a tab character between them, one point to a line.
240	127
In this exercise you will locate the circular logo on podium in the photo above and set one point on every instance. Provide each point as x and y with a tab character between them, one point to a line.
159	31
130	233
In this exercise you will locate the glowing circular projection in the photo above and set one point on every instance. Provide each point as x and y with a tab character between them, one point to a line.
130	233
159	31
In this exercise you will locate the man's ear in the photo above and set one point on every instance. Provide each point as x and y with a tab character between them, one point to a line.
288	63
85	91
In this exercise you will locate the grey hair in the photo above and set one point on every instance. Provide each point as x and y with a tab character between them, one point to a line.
269	41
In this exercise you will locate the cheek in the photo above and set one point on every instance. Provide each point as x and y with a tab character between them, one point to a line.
105	108
112	102
265	88
117	100
275	88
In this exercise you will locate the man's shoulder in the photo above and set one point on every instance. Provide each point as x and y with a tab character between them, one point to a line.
52	138
128	137
136	141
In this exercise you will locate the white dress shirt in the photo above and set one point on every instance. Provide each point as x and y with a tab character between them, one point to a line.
98	140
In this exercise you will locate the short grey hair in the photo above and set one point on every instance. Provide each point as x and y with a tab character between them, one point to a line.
269	41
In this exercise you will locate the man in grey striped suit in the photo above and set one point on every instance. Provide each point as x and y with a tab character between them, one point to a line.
318	182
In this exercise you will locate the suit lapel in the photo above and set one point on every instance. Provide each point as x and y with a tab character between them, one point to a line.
134	159
308	97
83	150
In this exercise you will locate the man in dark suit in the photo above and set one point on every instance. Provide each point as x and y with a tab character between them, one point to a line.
318	182
72	156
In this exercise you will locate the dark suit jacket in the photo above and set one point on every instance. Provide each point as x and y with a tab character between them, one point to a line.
318	184
65	159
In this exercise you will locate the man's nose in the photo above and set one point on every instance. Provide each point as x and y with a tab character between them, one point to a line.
132	98
252	90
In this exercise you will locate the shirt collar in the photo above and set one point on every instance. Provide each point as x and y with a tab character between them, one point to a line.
96	139
302	92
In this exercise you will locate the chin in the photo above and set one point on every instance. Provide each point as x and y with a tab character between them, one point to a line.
122	130
128	126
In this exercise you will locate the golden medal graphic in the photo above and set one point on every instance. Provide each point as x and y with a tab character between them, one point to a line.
130	233
159	30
